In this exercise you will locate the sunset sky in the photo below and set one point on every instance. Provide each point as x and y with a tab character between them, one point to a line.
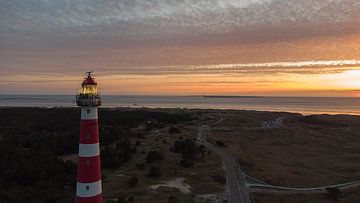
181	47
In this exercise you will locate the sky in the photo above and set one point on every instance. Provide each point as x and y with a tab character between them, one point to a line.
181	47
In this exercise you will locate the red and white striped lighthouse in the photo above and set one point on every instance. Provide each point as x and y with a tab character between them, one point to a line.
88	188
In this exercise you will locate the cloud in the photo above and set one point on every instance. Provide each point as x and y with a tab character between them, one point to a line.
182	19
168	39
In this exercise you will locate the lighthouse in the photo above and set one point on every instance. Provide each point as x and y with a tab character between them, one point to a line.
88	188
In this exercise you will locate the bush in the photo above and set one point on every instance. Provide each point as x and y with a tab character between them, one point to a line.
133	181
174	130
186	163
114	157
140	166
333	193
155	171
172	199
154	156
122	200
202	150
219	179
188	148
131	199
220	143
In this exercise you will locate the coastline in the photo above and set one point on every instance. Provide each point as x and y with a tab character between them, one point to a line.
306	113
303	105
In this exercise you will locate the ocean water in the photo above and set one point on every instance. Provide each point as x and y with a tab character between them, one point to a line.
304	105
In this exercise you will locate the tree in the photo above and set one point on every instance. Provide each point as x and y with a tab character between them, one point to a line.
122	200
172	199
155	171
333	193
140	166
219	179
154	156
174	130
202	150
133	181
190	149
186	163
220	143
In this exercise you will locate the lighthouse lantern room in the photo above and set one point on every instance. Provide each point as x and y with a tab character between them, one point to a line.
88	95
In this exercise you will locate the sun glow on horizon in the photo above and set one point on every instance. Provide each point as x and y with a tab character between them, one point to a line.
336	81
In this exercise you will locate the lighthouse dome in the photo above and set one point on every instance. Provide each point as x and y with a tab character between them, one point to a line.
89	80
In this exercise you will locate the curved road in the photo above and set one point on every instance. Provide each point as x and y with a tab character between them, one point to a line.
239	192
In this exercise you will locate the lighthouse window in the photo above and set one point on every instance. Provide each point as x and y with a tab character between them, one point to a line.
87	110
87	187
88	136
87	162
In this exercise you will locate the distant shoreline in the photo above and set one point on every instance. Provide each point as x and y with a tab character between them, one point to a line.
219	96
173	109
303	105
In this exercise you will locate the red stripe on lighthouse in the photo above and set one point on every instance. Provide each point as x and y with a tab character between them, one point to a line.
84	174
95	199
89	131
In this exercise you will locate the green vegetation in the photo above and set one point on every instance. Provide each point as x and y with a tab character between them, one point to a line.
154	156
113	157
33	142
220	143
174	130
155	171
133	181
189	151
333	193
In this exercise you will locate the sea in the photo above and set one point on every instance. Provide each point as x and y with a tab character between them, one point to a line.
303	105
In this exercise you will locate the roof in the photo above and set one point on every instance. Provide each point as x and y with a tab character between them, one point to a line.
89	80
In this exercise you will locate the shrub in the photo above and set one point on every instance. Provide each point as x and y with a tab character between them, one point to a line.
154	156
131	199
140	166
333	193
122	200
219	179
155	171
186	163
188	148
220	143
174	130
172	199
133	181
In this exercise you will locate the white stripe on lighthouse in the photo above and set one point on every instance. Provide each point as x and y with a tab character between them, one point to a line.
89	113
89	150
88	189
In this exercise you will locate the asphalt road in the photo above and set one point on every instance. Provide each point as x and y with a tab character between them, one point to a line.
239	193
